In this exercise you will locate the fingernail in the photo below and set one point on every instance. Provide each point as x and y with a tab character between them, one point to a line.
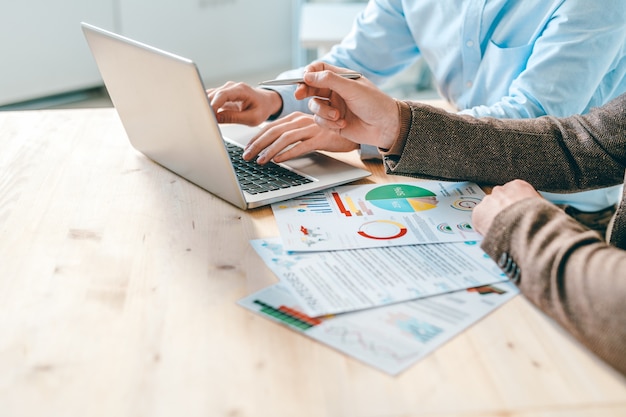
332	113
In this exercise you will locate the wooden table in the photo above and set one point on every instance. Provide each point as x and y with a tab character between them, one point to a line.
118	291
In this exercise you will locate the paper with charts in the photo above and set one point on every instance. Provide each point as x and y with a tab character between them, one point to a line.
377	215
389	338
334	282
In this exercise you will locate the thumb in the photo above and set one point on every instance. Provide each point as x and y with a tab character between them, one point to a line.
325	80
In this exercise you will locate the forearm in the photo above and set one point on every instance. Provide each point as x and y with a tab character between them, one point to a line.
568	271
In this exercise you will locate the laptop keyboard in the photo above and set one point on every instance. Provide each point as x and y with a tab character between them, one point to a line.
256	179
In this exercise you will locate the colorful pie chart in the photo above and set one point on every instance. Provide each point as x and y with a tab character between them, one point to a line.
402	198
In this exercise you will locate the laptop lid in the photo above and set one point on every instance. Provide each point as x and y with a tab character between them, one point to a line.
162	103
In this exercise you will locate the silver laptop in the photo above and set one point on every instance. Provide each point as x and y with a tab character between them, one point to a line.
162	103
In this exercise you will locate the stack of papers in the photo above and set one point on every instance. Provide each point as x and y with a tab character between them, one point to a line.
382	272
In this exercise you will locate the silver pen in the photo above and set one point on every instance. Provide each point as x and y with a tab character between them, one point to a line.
290	81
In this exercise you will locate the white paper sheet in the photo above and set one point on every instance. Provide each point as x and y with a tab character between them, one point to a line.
389	338
378	215
341	281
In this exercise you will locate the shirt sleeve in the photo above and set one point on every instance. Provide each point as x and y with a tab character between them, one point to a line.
380	43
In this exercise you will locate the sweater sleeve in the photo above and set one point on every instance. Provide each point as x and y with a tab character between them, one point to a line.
568	271
553	154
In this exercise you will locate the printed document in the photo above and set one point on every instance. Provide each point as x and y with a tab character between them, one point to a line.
334	282
389	338
379	215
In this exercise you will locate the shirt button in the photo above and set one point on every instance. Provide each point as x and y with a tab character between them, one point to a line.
510	265
516	275
469	44
469	84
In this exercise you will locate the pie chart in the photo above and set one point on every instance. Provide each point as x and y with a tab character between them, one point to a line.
402	198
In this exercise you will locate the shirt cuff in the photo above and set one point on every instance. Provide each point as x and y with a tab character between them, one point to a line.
369	152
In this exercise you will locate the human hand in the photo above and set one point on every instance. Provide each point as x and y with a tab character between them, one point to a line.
356	109
240	103
500	198
292	136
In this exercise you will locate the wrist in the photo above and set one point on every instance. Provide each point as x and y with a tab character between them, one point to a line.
274	103
404	121
399	131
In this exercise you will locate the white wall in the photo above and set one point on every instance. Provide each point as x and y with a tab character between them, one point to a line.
42	50
226	38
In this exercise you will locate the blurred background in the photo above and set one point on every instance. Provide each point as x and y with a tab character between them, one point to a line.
46	63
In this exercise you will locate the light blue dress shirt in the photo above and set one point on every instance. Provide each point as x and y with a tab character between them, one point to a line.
497	58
